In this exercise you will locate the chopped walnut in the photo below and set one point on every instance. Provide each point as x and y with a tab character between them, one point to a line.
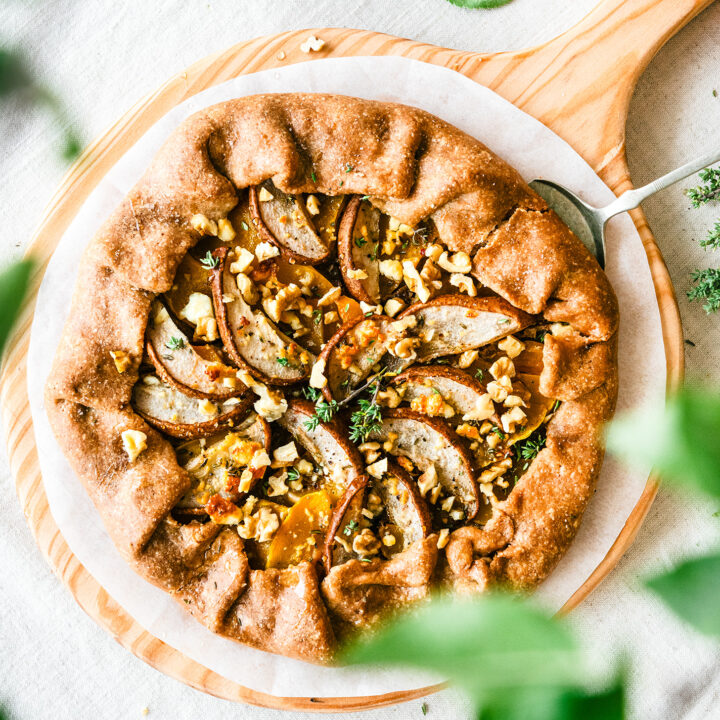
366	544
121	359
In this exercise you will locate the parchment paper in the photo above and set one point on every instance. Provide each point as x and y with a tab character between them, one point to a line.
525	143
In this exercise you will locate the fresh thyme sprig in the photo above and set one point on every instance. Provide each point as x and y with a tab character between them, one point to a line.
209	262
366	420
709	191
324	411
707	281
530	448
712	240
175	343
707	288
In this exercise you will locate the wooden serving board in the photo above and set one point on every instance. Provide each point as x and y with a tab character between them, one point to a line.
578	84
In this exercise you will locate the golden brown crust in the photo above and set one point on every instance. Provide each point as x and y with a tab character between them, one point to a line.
414	167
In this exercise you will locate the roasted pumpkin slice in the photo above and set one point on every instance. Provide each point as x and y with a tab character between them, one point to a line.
451	324
250	338
358	250
284	221
449	393
431	442
407	518
190	370
530	360
183	416
353	351
538	407
217	465
327	444
300	536
344	523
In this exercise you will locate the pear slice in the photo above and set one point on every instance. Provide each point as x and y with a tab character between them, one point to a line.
216	463
426	385
429	441
358	250
192	371
182	416
284	221
352	352
251	339
407	517
452	324
191	277
327	444
344	523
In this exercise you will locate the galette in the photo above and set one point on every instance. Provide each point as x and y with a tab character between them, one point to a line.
327	356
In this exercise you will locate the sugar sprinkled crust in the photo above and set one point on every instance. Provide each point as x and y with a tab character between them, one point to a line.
413	166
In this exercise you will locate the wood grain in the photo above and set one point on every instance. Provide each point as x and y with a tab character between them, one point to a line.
578	84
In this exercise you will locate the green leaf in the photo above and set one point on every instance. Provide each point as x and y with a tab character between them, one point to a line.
480	4
691	590
552	703
681	443
13	286
495	642
13	73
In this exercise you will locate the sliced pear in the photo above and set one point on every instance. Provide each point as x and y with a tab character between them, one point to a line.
358	250
407	517
327	444
299	537
284	221
183	416
250	338
190	370
429	388
352	352
429	441
191	277
216	464
452	324
344	523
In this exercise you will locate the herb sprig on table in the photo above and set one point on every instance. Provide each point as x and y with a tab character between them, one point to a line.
707	282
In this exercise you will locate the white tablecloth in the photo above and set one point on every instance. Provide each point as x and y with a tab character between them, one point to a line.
103	56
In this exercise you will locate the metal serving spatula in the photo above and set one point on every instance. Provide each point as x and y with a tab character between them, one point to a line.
588	222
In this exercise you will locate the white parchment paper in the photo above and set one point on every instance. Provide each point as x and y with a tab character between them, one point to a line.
526	144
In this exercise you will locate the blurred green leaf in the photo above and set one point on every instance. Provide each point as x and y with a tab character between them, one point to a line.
513	642
682	442
13	286
13	74
15	77
514	661
480	4
692	591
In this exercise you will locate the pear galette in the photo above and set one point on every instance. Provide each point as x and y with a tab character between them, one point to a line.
326	355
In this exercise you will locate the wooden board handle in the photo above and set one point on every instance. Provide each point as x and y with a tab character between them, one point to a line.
580	83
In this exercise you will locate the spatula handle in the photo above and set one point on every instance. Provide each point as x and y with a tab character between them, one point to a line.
632	198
